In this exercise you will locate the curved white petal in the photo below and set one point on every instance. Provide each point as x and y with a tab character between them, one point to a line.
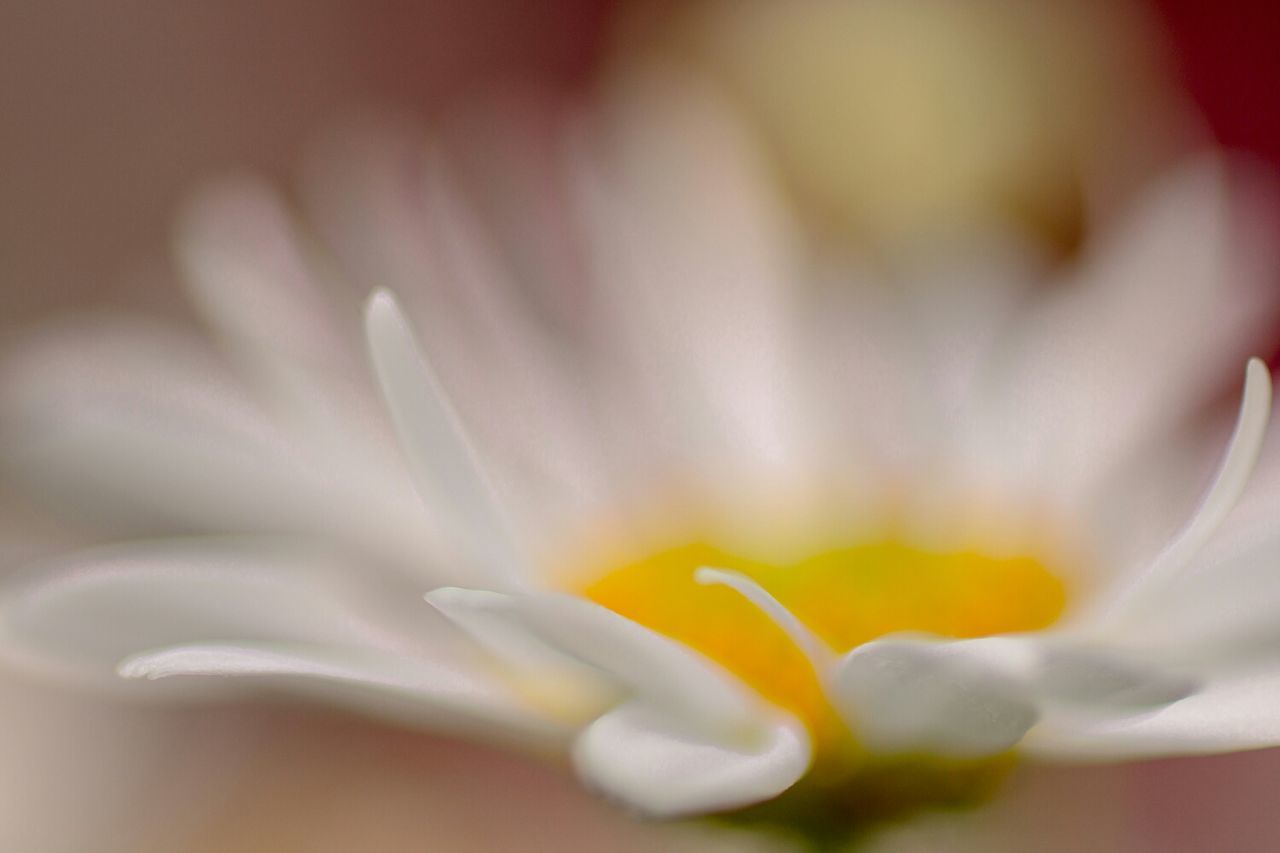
489	619
82	614
663	672
1234	712
1228	485
1221	611
410	690
906	695
1222	614
644	758
435	443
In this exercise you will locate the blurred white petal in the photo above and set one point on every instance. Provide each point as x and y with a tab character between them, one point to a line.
139	424
87	611
694	261
1157	312
131	425
244	267
397	218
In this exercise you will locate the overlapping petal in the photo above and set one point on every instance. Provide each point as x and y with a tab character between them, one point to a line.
913	697
433	694
1235	711
642	757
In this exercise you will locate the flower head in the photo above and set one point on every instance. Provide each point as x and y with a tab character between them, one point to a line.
728	541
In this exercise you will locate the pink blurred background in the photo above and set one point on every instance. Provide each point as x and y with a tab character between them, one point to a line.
112	110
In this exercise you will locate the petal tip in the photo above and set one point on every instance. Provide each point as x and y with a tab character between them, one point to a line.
139	667
380	306
1257	373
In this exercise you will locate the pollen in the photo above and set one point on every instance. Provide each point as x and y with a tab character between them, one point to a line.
846	596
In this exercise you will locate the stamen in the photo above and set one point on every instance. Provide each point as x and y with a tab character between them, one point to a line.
434	441
822	657
1233	475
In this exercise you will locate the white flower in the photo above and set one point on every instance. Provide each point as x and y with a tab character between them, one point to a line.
718	533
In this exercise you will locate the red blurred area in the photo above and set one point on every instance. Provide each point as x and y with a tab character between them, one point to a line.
1228	57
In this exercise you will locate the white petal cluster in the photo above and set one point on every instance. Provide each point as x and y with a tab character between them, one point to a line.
305	485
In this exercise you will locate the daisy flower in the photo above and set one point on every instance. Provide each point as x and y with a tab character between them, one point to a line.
733	528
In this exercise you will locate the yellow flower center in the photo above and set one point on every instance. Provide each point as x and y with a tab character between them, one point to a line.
847	596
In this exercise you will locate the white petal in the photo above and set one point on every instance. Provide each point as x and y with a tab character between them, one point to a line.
246	272
1222	609
665	673
492	620
393	212
1222	614
1234	712
130	423
1079	390
83	613
1232	477
298	338
643	758
859	359
435	443
489	619
956	303
371	680
1104	680
695	259
1260	504
1058	671
139	428
904	696
528	402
